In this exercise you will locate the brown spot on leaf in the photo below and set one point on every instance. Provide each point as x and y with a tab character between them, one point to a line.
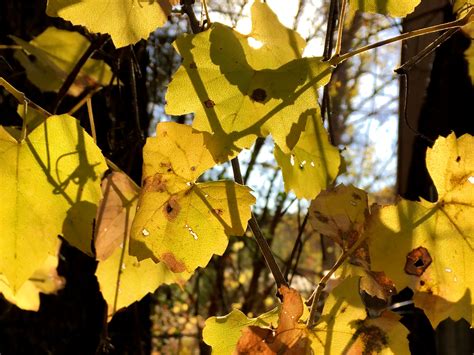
171	208
218	211
418	261
356	196
193	168
320	217
192	65
259	95
373	338
173	264
458	159
209	103
288	338
166	165
155	183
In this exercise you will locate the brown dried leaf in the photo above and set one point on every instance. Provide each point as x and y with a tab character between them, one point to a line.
115	214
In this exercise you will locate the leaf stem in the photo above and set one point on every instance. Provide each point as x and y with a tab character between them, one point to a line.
257	232
91	119
338	59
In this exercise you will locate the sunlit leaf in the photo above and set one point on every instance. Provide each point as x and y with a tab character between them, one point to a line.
50	186
44	280
223	333
122	278
430	246
290	335
265	88
313	163
394	8
127	21
181	222
345	329
52	56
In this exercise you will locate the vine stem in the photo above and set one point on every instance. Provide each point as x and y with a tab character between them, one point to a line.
338	59
91	119
316	295
340	28
257	232
95	45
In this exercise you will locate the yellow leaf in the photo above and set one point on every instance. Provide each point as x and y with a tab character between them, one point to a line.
181	222
127	21
50	186
264	89
313	163
122	278
430	246
345	329
340	214
394	8
223	333
45	280
55	53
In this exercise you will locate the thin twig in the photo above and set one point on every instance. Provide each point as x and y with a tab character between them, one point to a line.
98	43
187	8
340	27
289	262
336	60
133	88
315	297
260	239
256	150
331	24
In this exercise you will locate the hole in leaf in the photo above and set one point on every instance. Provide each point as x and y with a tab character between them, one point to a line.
259	95
417	261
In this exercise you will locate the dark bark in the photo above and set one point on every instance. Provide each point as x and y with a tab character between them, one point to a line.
72	322
439	102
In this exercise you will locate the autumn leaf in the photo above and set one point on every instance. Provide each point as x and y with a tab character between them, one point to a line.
44	280
394	8
179	221
289	337
127	21
122	278
429	246
53	55
340	214
345	329
265	89
313	159
50	187
223	333
115	213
